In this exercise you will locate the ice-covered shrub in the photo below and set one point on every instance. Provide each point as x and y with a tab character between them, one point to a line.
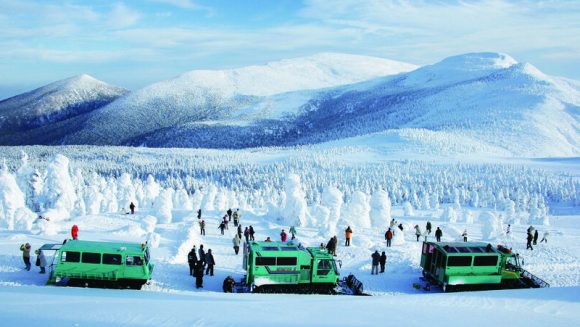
148	224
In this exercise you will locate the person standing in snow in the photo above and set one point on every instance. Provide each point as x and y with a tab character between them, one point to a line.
376	258
229	212
383	261
330	246
283	236
199	214
417	232
252	233
192	260
247	234
536	237
438	234
237	242
347	234
74	232
198	273
531	230
132	207
389	237
202	227
41	261
236	217
240	231
508	230
334	245
529	239
293	232
545	237
25	248
201	254
225	221
464	235
222	227
210	262
428	228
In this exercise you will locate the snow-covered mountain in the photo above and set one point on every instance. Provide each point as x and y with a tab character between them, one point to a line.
488	101
55	102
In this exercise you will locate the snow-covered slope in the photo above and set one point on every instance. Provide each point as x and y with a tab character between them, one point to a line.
496	105
55	102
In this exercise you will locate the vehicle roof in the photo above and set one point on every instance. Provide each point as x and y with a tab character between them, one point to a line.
465	248
109	247
263	246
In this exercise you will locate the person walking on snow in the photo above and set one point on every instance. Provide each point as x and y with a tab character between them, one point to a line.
225	221
202	227
376	258
132	207
198	273
229	212
508	230
529	239
545	237
438	234
334	245
201	254
293	232
464	235
210	262
25	248
347	234
74	232
237	242
221	227
247	234
383	261
41	261
417	232
428	228
389	237
199	214
283	236
240	231
252	233
330	246
236	217
536	237
192	260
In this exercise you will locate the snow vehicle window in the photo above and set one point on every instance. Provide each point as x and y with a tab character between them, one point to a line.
459	261
133	260
111	259
70	257
265	261
324	267
270	248
89	257
485	261
286	261
289	248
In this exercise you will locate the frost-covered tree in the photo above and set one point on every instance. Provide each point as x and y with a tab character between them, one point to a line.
294	212
13	210
510	212
491	227
449	215
126	192
181	200
380	209
150	191
408	209
164	205
357	210
331	198
59	190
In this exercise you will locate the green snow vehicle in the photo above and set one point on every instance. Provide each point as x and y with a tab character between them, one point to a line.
474	265
105	264
288	267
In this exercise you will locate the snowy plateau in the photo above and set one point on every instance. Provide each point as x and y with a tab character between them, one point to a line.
472	143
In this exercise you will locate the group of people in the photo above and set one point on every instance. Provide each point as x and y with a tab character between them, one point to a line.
200	261
532	237
40	258
378	259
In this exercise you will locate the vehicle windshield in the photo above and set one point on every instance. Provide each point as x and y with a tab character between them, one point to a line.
511	263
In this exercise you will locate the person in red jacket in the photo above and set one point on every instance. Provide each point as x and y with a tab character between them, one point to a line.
74	232
283	236
389	237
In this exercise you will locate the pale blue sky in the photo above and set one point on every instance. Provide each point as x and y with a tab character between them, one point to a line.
134	43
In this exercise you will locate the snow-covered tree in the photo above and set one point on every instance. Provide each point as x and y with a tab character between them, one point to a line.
59	190
408	209
164	205
126	192
357	210
380	209
331	198
12	205
294	212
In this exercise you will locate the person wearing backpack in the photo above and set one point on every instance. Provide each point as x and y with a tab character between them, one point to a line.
192	260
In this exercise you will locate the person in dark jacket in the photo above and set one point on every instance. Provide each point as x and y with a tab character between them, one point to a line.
240	231
247	234
210	262
201	254
202	227
222	227
199	214
330	246
228	285
229	212
375	263
192	260
389	237
530	239
383	261
438	234
536	237
132	207
428	228
25	248
334	245
237	217
198	273
252	233
283	236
